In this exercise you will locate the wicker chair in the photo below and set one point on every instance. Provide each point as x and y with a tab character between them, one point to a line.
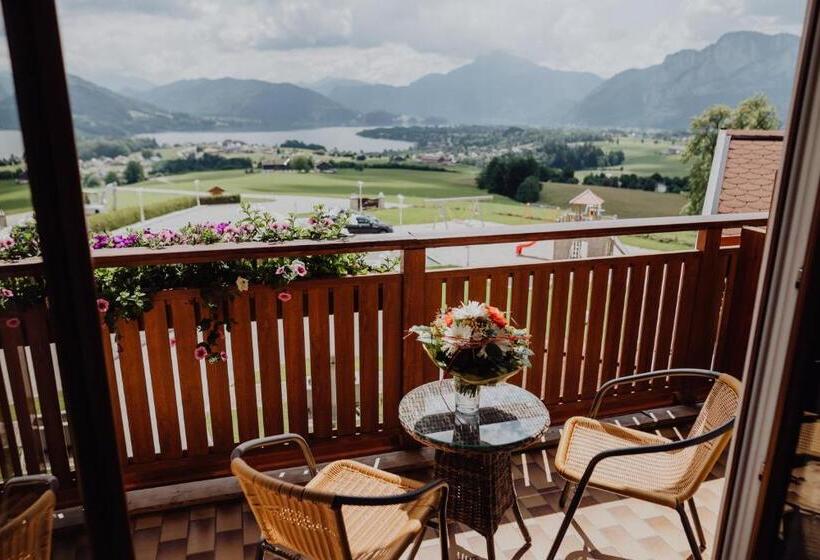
25	526
643	465
382	515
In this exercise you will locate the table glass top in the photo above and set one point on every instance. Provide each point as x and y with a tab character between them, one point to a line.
509	418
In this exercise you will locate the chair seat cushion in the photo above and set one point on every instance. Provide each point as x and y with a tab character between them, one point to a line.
655	477
375	532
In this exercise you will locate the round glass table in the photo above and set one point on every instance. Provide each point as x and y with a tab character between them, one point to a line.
473	453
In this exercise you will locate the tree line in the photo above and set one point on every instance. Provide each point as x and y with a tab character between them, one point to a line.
633	181
519	176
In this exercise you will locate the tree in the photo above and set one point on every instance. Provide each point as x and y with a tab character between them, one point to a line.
529	190
133	173
301	163
756	112
91	181
112	177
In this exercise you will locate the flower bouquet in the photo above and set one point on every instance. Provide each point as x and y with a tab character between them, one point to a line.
475	344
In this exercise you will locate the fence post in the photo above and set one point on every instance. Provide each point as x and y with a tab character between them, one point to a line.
413	269
740	307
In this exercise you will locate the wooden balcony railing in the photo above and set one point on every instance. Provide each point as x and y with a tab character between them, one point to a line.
333	362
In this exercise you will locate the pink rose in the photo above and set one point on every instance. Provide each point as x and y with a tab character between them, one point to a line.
223	356
103	305
12	322
5	292
284	296
200	353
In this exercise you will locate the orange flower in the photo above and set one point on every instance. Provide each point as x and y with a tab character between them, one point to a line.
496	316
448	319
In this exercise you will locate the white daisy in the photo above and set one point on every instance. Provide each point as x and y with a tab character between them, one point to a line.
454	338
469	310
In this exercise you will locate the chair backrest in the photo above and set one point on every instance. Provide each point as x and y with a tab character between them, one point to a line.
28	534
300	519
720	406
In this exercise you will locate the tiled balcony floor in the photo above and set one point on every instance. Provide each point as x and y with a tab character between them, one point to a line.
606	526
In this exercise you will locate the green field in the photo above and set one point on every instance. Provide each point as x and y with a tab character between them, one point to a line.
642	158
624	203
14	197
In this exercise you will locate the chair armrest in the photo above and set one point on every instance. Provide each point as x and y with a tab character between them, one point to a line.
411	496
44	479
681	372
246	446
646	449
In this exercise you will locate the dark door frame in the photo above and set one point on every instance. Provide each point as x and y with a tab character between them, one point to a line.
48	136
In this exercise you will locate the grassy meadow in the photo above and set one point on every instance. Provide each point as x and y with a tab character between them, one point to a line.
642	158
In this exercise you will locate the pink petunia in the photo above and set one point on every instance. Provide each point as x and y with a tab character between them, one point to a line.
103	305
5	292
12	322
223	356
7	242
298	269
284	296
200	353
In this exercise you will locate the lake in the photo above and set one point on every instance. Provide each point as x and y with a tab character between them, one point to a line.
342	138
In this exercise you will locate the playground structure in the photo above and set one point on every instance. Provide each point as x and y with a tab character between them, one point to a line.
587	206
444	206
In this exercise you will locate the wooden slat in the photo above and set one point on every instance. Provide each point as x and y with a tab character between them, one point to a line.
318	319
538	329
11	464
666	322
267	337
35	322
294	344
345	359
21	391
244	375
498	291
649	323
632	318
614	323
730	270
477	287
134	391
219	395
575	335
454	291
431	306
113	390
190	378
369	357
556	335
162	381
391	352
595	330
683	324
413	264
518	309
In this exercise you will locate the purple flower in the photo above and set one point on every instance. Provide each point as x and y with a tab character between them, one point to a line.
100	241
298	268
12	322
200	353
7	243
223	356
6	293
284	296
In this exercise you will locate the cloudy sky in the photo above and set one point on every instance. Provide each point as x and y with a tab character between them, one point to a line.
389	41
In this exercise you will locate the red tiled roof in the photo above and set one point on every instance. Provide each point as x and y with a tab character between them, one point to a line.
752	162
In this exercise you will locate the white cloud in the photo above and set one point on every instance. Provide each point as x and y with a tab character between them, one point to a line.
391	41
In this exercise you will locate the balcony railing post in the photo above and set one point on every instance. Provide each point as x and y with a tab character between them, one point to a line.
740	307
413	269
707	298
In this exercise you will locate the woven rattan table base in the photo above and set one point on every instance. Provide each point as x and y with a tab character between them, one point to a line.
481	488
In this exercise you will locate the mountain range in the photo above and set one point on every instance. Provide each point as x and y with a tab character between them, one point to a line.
497	88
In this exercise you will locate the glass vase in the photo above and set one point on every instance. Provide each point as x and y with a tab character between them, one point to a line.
467	398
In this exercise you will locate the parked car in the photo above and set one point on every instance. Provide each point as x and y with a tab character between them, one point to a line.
362	223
